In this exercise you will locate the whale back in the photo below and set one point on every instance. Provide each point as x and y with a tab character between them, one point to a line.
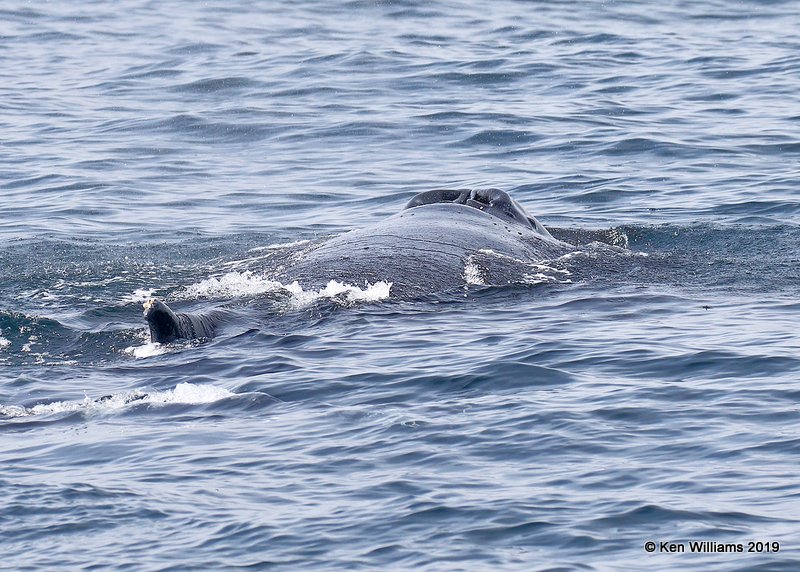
423	249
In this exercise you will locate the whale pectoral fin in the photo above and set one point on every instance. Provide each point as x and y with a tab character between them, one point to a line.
163	322
167	326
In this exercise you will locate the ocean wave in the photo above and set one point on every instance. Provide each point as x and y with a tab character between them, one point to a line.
186	393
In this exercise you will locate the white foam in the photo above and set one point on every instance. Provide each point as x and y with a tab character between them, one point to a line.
28	346
86	404
92	283
596	250
187	393
570	255
618	238
279	246
149	349
139	295
545	274
3	342
232	285
473	274
537	273
542	278
340	292
244	284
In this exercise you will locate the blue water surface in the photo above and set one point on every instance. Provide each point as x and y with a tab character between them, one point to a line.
644	388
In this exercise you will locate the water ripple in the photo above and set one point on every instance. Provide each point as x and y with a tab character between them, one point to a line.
185	150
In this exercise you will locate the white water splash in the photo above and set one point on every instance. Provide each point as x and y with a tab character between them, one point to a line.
147	350
4	342
545	274
231	285
187	393
473	273
27	347
244	284
139	295
340	292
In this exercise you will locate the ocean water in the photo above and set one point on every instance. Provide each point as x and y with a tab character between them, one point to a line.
643	388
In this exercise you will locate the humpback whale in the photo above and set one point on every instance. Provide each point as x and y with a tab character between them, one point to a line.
421	250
